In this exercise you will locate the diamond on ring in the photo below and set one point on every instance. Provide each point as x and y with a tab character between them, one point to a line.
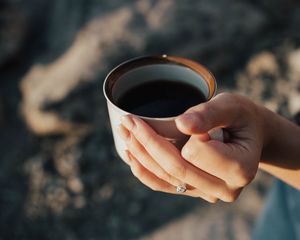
181	188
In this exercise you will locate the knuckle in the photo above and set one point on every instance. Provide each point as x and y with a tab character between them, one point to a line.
205	110
135	147
208	112
178	171
240	106
246	178
155	188
218	192
163	175
243	175
232	99
228	96
199	112
227	196
213	200
193	125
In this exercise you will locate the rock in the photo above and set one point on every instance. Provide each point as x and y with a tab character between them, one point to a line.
79	202
38	179
294	101
18	22
13	30
267	82
258	79
263	63
57	198
75	185
293	62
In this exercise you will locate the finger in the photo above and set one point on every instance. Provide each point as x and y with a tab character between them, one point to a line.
140	153
169	158
157	184
124	135
220	112
216	158
136	149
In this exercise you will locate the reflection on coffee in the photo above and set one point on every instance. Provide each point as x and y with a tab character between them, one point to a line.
160	98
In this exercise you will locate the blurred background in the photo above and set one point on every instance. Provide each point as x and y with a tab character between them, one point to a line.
60	177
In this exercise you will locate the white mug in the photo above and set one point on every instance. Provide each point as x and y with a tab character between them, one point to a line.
150	68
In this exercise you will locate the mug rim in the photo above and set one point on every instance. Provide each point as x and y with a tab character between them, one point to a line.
136	62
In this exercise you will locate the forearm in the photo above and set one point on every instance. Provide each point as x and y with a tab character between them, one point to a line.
281	152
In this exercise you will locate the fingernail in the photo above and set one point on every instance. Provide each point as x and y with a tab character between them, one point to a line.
187	117
127	122
187	123
122	132
185	153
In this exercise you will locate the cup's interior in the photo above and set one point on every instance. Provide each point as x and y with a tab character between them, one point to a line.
156	72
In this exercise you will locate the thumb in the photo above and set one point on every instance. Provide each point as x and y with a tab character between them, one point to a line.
218	112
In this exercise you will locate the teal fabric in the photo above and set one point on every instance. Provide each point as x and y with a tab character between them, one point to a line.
280	219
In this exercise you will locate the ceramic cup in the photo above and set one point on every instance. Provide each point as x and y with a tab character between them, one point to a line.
150	68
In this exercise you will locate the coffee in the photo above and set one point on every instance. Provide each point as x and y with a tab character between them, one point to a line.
160	98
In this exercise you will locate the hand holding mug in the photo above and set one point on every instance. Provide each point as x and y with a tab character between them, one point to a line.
211	169
152	141
157	89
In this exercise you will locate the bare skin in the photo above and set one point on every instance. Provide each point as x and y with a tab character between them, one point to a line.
214	170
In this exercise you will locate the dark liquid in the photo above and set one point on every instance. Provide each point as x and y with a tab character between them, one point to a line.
163	98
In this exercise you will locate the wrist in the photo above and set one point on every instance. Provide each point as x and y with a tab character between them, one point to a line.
270	125
280	139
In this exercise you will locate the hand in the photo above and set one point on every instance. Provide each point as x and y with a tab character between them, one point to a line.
211	169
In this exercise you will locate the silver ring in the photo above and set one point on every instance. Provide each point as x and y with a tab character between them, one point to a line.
181	188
